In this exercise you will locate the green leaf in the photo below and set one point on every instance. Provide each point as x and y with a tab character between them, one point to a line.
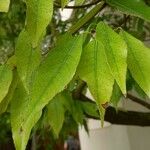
133	7
51	77
9	96
90	109
55	113
27	58
77	112
57	70
116	52
95	71
116	95
138	61
5	80
64	3
139	91
39	14
21	123
79	2
4	5
73	106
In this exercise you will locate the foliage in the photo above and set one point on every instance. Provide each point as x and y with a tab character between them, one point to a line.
91	51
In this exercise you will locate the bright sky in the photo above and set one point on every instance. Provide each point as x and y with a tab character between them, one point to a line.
66	13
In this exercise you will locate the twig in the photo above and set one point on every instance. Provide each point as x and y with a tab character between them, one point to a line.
125	117
121	117
91	14
138	100
80	6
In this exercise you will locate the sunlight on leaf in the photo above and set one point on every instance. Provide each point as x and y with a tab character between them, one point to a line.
116	52
138	61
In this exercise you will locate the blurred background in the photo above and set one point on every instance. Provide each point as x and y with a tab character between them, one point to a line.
87	131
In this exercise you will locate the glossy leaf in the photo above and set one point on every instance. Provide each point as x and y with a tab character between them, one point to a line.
132	7
138	61
95	71
27	58
55	113
116	52
39	14
4	5
5	80
50	78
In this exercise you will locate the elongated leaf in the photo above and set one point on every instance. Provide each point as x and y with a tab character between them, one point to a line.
133	7
27	58
19	111
116	51
95	71
49	79
4	5
9	96
55	114
58	68
5	80
39	14
138	61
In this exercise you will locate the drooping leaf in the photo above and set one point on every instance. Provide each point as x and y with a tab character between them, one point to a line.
139	91
4	5
130	81
39	14
116	95
116	52
95	71
57	69
138	61
77	112
21	123
9	96
27	58
90	109
50	78
73	106
5	80
64	3
55	113
133	7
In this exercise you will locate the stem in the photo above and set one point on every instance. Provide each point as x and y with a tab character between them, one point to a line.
138	100
120	116
87	17
81	6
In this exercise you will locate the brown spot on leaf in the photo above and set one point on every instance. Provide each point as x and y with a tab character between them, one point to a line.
105	105
21	130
